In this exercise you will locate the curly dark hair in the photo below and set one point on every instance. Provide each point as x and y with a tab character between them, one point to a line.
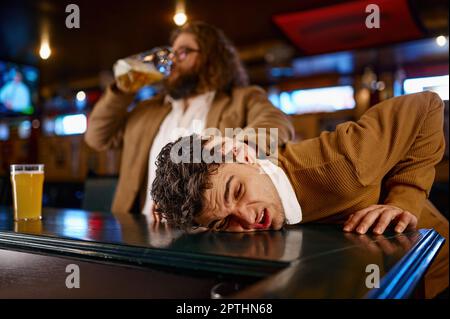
178	188
220	67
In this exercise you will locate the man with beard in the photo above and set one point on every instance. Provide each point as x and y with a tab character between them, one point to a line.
207	88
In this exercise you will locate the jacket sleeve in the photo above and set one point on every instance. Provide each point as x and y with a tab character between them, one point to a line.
407	197
410	181
397	144
261	114
107	121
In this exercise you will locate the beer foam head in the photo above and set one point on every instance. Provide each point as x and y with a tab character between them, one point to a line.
27	169
27	172
124	66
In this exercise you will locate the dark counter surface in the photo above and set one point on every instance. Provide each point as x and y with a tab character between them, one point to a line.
301	261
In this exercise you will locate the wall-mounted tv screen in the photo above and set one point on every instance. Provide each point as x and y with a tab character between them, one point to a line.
326	99
437	84
18	88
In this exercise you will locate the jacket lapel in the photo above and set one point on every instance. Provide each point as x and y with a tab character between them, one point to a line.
217	107
152	121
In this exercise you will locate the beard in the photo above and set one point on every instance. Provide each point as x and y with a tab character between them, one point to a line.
183	86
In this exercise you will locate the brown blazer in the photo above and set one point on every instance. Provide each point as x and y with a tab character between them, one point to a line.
110	125
388	156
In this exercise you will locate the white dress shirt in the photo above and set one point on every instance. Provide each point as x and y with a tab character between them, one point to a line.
291	206
179	122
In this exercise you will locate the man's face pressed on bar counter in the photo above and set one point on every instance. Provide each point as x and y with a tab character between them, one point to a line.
233	193
240	199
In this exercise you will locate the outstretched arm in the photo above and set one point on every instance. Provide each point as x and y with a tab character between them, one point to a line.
409	181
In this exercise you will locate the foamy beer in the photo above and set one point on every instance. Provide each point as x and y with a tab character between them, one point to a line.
136	71
27	184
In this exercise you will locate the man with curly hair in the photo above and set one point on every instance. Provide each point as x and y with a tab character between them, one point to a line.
207	88
367	175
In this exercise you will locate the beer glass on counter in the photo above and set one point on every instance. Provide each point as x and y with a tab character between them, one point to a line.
27	185
146	68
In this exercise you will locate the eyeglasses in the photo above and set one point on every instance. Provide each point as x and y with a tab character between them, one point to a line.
182	53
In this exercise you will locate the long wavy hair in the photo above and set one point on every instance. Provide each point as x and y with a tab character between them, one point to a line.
220	67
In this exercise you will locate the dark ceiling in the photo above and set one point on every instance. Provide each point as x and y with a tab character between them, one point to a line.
113	29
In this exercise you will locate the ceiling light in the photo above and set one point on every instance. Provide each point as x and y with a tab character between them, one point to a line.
44	51
441	40
81	96
180	18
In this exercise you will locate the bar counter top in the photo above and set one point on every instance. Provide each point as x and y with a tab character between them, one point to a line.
300	261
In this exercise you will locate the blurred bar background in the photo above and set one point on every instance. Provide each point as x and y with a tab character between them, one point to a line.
314	58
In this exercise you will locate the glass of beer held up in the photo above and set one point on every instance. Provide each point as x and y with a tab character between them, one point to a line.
27	185
146	68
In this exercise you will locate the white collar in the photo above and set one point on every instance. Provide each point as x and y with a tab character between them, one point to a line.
203	99
291	206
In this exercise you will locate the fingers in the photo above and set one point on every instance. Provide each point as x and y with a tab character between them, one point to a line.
155	217
242	153
154	226
245	153
384	221
228	146
354	219
364	219
413	222
357	217
214	141
349	219
368	220
406	220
